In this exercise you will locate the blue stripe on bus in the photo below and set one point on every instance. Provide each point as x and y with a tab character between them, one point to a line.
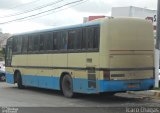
81	85
9	78
41	81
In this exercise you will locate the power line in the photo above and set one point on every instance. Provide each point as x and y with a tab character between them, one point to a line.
54	11
31	10
43	12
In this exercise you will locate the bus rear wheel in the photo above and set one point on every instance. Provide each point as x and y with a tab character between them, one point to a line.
67	86
19	81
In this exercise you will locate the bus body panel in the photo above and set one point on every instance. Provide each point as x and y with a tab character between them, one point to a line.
75	60
125	34
121	53
127	47
80	85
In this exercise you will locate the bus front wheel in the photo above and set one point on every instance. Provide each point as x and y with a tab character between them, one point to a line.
19	80
67	86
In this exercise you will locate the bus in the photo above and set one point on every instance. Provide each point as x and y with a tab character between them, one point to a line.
106	55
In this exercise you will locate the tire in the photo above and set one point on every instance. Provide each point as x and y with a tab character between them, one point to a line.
67	86
2	78
19	81
111	93
107	94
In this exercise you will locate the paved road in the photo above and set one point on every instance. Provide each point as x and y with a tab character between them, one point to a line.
10	95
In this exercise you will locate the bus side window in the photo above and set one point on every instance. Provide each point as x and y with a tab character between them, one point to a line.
90	38
48	41
45	42
63	40
55	40
24	44
17	44
74	39
71	39
84	39
8	56
96	37
31	43
41	43
79	39
14	44
36	42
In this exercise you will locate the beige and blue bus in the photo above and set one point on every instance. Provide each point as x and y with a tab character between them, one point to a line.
106	55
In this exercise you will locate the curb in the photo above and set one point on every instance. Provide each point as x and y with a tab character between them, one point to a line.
148	93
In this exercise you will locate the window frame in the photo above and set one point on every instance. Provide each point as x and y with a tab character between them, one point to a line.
64	49
77	30
57	35
26	42
86	49
16	44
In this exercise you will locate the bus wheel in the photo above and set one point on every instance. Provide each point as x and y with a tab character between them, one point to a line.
67	86
19	81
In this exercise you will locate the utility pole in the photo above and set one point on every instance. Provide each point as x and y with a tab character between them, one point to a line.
157	45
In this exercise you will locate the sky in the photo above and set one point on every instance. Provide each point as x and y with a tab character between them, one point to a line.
59	16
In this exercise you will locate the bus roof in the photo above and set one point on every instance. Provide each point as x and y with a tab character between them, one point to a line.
60	28
94	22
